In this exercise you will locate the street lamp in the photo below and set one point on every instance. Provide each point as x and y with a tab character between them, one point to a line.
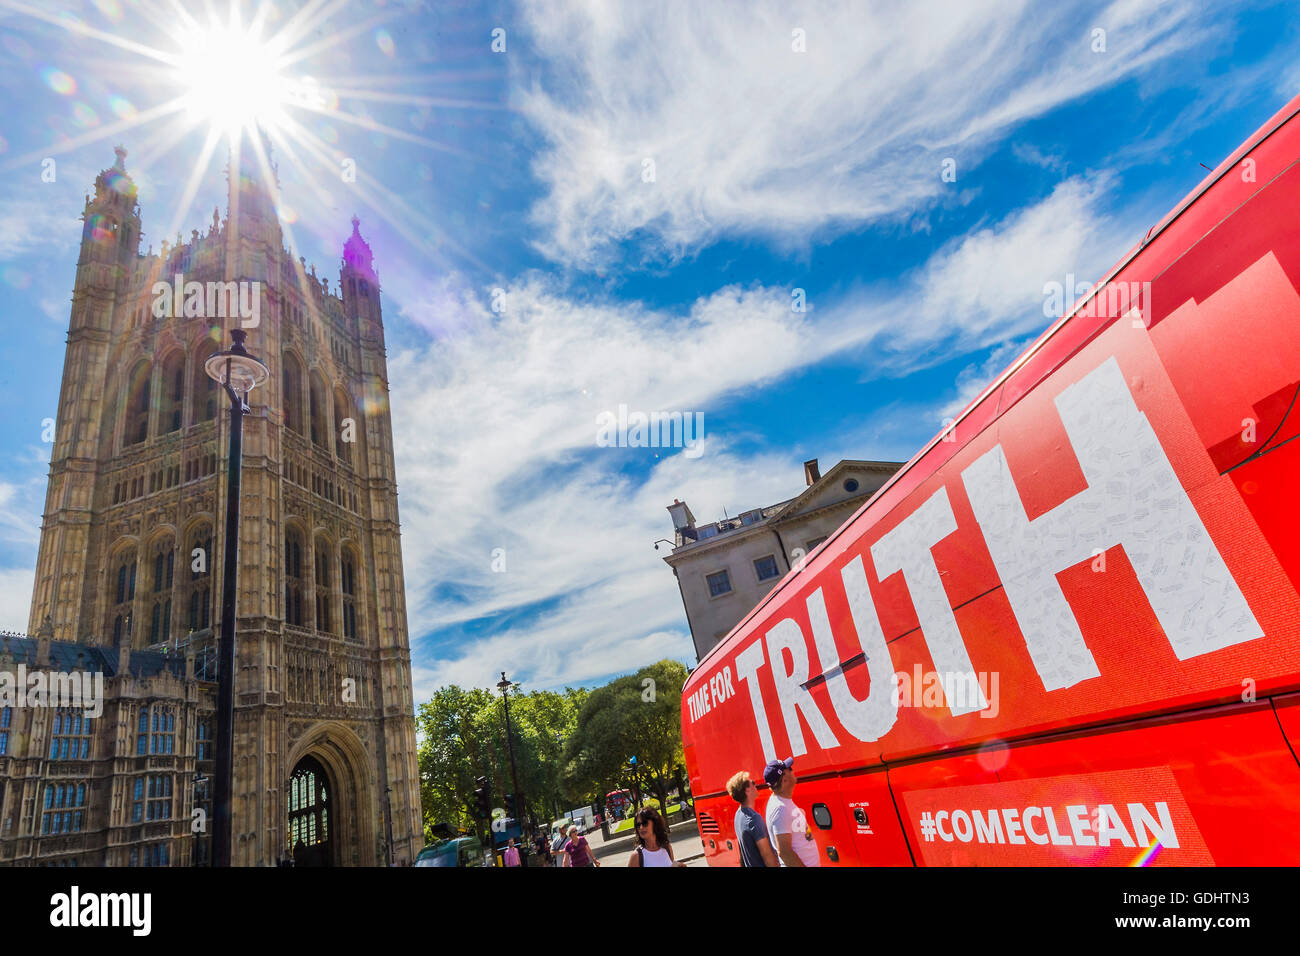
503	685
238	373
200	795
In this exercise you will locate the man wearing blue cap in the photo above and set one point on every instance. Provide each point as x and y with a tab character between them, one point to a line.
786	823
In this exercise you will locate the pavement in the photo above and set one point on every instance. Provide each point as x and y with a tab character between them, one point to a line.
685	836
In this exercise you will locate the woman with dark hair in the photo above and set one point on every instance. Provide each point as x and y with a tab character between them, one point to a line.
652	846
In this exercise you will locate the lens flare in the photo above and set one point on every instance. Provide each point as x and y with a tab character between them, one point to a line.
59	81
123	107
231	78
84	115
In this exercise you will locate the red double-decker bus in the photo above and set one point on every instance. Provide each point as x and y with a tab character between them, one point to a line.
1068	631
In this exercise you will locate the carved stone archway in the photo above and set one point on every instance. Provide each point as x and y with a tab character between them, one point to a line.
353	806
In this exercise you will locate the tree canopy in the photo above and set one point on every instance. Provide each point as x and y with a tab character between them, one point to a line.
570	747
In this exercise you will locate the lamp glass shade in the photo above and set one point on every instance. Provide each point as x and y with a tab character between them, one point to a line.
246	372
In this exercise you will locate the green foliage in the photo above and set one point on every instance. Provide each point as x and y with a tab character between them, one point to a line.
463	737
628	717
569	747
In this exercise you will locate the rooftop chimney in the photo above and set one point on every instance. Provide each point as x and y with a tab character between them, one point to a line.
682	517
811	473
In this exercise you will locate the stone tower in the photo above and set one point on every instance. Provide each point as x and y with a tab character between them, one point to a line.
130	552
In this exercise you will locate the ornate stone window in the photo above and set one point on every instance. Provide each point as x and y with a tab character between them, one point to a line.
203	390
348	570
122	587
323	582
342	413
173	383
200	587
292	393
164	562
319	434
64	807
293	582
156	731
70	735
137	406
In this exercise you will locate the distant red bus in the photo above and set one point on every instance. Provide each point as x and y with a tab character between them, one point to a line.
616	802
1068	631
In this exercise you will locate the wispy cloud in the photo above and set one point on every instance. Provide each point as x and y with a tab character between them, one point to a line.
495	432
749	137
16	598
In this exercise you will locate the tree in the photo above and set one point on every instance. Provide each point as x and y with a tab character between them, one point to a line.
637	715
463	737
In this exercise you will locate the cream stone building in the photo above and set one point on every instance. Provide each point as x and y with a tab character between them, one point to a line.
128	577
725	568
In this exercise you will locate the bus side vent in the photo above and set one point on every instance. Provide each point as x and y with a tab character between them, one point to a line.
708	824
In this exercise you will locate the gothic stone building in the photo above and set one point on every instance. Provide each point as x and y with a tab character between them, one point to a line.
128	577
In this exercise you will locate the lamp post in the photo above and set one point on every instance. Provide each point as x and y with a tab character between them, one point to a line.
503	685
200	786
238	373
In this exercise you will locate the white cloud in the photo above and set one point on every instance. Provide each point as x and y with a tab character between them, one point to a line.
16	598
45	222
20	508
495	429
750	138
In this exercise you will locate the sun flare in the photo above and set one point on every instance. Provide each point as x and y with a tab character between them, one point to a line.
231	78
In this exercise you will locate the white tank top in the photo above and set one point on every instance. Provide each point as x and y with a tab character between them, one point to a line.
657	857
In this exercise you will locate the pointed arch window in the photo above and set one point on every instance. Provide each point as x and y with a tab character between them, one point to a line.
122	587
348	572
308	806
343	442
203	390
137	425
164	564
174	394
293	394
323	623
200	597
319	435
293	583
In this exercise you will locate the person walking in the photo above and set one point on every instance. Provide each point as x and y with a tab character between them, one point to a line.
542	847
751	830
577	852
652	846
787	825
511	853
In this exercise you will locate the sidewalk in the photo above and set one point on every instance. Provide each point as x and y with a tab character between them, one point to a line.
685	836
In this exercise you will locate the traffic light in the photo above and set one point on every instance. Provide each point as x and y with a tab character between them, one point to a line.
483	798
510	806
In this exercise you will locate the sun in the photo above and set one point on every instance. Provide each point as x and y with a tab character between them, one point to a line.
231	78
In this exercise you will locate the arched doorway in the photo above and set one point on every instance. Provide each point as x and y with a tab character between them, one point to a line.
311	831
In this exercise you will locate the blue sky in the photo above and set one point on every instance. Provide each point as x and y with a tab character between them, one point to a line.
519	177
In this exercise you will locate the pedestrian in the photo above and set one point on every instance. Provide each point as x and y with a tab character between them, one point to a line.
542	847
751	829
511	854
577	852
652	846
787	825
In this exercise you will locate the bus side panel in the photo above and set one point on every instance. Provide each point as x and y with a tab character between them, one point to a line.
968	771
820	799
716	817
873	819
1288	715
1217	788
